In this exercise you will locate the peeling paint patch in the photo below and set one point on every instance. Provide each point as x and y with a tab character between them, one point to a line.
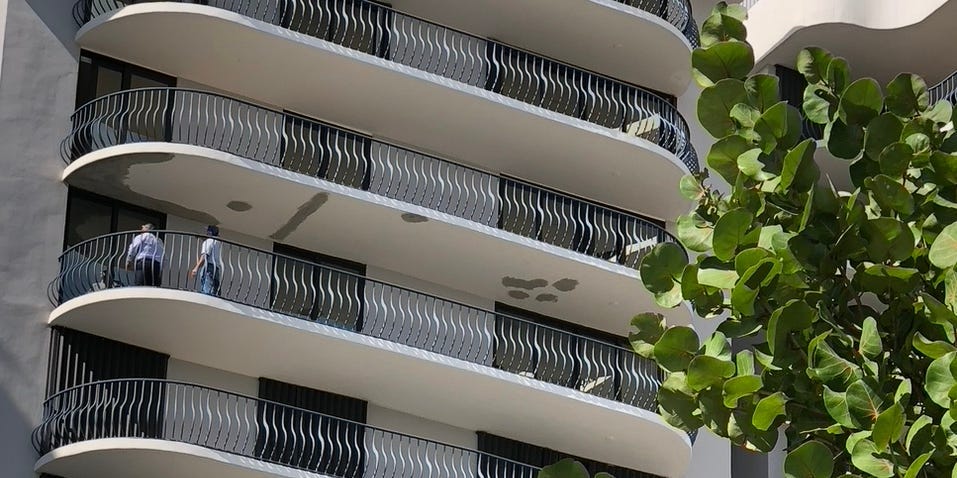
517	294
565	285
547	298
305	210
523	284
414	218
239	206
112	178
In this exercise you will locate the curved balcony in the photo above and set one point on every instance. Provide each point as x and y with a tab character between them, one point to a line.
305	146
339	323
271	174
116	427
945	90
442	90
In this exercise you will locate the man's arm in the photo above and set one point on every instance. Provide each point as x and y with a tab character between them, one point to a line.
134	248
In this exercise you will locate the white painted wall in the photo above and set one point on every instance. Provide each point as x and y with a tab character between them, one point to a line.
37	84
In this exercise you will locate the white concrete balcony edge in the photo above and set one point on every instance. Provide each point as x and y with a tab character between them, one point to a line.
154	458
225	335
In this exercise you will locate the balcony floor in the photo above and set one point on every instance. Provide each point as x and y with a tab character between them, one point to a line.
222	334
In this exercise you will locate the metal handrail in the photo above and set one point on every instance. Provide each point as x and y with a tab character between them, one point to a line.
252	427
377	30
306	146
945	90
343	299
675	12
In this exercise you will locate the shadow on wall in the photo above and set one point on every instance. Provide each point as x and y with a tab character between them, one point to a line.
16	452
57	16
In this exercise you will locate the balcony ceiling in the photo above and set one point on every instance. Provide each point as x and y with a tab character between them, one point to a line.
888	36
299	73
601	35
253	342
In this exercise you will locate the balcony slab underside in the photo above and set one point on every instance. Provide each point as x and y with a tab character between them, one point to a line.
207	186
909	37
254	342
601	35
150	458
313	77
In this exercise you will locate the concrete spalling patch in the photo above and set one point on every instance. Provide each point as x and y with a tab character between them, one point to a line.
546	298
523	284
517	294
239	206
413	218
565	285
305	210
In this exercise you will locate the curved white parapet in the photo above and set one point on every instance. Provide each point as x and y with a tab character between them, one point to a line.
909	34
152	458
254	342
205	185
310	76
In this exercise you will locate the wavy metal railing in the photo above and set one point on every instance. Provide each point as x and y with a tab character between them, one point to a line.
380	31
320	150
945	90
338	298
254	428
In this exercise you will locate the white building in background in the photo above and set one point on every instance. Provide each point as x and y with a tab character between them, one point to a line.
431	214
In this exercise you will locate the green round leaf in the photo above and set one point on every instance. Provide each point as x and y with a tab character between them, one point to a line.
715	105
566	468
719	28
941	379
691	187
836	405
779	126
819	104
945	165
863	402
888	427
838	74
730	231
676	348
649	327
660	271
861	102
768	409
762	91
881	131
870	345
739	387
888	239
907	95
723	157
705	371
866	458
943	252
931	348
722	60
896	158
813	64
844	141
694	233
800	170
890	194
810	460
793	317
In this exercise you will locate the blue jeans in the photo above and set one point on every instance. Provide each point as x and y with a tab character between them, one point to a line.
209	279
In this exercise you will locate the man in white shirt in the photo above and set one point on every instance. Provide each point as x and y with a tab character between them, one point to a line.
146	256
210	259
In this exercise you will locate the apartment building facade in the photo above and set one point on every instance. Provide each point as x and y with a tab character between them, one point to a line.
430	216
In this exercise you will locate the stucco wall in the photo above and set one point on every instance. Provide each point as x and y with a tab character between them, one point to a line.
37	84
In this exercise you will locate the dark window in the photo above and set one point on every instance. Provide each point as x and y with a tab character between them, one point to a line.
534	455
309	441
791	86
566	354
90	215
324	152
99	76
114	409
360	25
332	295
